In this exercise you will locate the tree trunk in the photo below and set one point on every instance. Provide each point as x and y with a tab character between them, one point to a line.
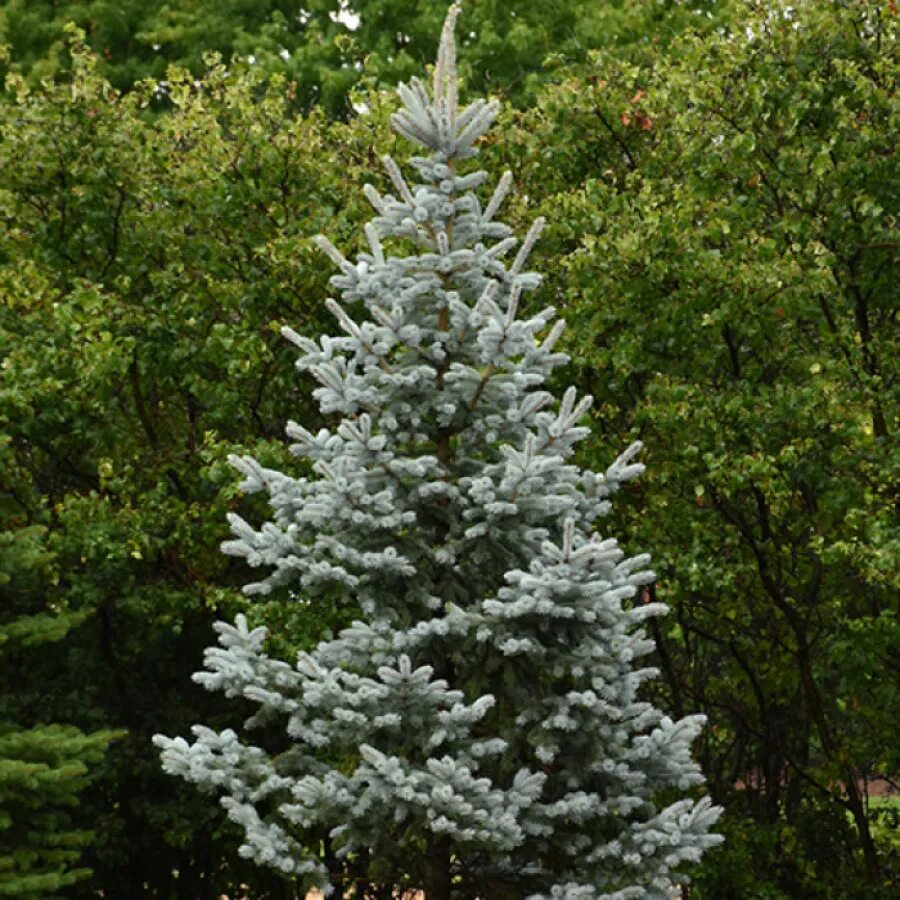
438	885
862	825
854	799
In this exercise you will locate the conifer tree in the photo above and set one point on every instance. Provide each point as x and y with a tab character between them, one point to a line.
479	731
43	767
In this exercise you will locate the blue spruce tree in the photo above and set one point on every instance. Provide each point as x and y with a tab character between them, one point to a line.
479	732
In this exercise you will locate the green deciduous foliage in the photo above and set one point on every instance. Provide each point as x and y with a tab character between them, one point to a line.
728	252
327	46
143	267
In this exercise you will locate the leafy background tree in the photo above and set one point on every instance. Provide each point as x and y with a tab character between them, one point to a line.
728	253
144	267
328	46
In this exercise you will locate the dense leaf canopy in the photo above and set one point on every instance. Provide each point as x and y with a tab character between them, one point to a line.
725	230
145	266
330	46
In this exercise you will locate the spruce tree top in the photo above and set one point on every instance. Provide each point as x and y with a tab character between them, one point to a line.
478	732
440	396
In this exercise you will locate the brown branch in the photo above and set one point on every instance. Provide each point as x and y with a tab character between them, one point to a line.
616	136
